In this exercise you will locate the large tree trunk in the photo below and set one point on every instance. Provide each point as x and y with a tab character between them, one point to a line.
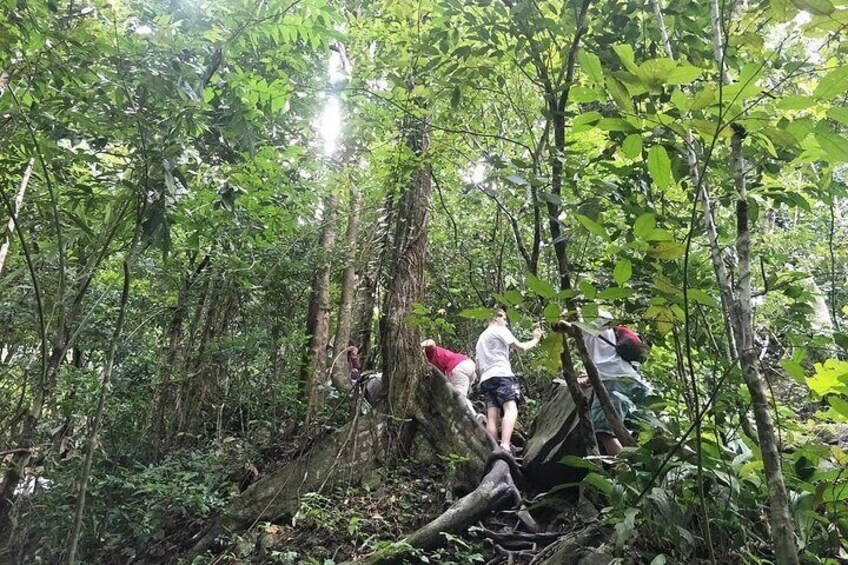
403	364
341	370
318	322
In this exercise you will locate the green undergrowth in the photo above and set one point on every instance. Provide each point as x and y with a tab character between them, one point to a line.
353	521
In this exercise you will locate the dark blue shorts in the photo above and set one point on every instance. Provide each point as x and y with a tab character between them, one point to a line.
499	390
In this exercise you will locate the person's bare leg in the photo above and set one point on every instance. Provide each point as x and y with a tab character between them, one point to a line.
610	443
510	410
492	422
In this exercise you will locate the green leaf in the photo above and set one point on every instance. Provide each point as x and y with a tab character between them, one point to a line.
655	72
632	146
540	287
644	225
587	290
795	370
657	234
704	98
782	9
838	405
585	118
702	297
579	463
659	165
831	378
619	93
583	95
709	128
592	226
683	74
815	7
552	311
680	101
625	55
476	313
615	124
796	102
838	114
623	271
614	293
834	145
517	179
781	137
592	65
510	298
599	482
833	84
667	250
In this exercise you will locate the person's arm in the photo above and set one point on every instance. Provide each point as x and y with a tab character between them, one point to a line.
523	346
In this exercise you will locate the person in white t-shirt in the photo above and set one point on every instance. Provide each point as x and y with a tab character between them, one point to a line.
497	381
626	387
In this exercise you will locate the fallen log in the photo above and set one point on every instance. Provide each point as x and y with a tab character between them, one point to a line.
496	491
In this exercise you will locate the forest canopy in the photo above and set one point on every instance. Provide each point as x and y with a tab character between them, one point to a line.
208	203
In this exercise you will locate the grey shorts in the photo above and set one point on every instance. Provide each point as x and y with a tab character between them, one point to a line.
499	390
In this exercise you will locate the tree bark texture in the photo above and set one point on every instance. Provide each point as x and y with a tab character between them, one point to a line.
403	364
318	323
341	371
554	435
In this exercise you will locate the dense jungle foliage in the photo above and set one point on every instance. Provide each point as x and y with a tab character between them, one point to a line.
206	201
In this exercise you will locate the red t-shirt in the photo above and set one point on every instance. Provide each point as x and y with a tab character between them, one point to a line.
443	359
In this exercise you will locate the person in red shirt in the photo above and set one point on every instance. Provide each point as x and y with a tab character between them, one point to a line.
459	370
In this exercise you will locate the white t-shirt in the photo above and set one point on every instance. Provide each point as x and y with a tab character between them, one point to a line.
493	352
606	359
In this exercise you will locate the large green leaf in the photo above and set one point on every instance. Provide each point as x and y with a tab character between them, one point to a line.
644	225
655	72
683	74
614	293
833	84
659	165
540	287
834	145
838	114
632	146
815	7
623	271
667	250
625	55
831	378
592	65
476	313
592	226
619	93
